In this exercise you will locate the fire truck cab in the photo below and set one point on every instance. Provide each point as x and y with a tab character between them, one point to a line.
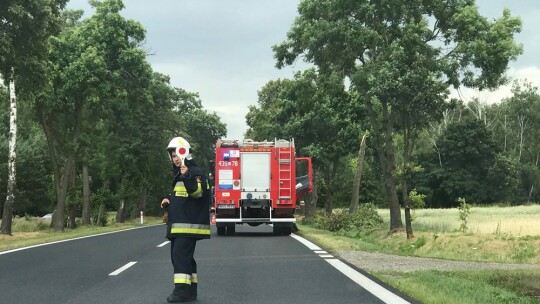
256	183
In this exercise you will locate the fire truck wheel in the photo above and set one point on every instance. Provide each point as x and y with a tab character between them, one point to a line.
231	230
221	230
282	230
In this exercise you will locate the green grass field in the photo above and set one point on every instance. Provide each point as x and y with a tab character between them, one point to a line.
516	221
496	234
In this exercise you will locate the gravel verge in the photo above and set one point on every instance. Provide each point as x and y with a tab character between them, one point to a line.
373	261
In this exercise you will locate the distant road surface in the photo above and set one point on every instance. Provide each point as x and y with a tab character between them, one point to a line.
133	266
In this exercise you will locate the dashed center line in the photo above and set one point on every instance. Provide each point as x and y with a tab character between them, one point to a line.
163	244
119	270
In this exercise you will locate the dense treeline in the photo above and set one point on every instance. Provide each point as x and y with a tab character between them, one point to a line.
387	68
92	134
485	152
93	117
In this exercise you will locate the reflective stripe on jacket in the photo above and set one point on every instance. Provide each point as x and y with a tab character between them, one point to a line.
190	228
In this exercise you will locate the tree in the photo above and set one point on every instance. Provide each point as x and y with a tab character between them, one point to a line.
92	69
307	109
468	152
358	175
365	41
522	114
502	179
24	30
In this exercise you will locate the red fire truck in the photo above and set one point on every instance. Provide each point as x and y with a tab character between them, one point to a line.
256	183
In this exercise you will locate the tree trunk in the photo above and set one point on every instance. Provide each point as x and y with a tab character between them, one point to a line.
101	220
62	176
72	216
395	211
61	193
505	135
120	214
385	152
7	214
330	187
86	197
407	148
328	203
522	121
408	223
358	175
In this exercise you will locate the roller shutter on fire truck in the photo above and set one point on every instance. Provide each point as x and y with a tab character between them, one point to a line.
255	174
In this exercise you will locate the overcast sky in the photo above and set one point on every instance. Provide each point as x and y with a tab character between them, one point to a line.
222	49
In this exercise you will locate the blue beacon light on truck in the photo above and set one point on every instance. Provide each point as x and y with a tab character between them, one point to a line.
226	156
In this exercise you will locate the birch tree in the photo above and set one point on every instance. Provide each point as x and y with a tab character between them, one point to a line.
25	27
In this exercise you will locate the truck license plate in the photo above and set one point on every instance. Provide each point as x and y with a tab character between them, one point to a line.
226	206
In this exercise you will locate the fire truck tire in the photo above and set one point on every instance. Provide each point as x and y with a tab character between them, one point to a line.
221	230
282	230
231	230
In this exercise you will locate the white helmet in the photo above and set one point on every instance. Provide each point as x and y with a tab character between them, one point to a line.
180	146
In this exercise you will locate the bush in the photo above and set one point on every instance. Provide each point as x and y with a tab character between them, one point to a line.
334	221
308	221
365	218
28	224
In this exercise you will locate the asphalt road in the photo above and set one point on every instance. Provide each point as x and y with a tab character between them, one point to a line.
252	267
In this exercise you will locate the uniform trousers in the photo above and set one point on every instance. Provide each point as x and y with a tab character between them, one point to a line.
185	267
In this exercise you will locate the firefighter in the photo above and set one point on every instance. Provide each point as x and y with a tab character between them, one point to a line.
188	219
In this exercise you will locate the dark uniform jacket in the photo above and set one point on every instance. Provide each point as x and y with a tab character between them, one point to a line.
189	213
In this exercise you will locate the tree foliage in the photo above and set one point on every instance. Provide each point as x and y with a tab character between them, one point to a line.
103	108
24	30
309	109
394	51
25	27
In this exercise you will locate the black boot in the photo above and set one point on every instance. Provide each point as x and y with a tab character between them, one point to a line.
180	294
193	289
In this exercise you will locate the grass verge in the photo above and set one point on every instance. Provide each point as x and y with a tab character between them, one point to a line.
467	287
22	237
449	246
473	286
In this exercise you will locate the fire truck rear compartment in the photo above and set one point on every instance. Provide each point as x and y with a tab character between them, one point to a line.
255	184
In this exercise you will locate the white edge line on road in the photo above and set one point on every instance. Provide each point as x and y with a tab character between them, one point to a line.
119	270
374	288
73	239
163	244
377	290
308	244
